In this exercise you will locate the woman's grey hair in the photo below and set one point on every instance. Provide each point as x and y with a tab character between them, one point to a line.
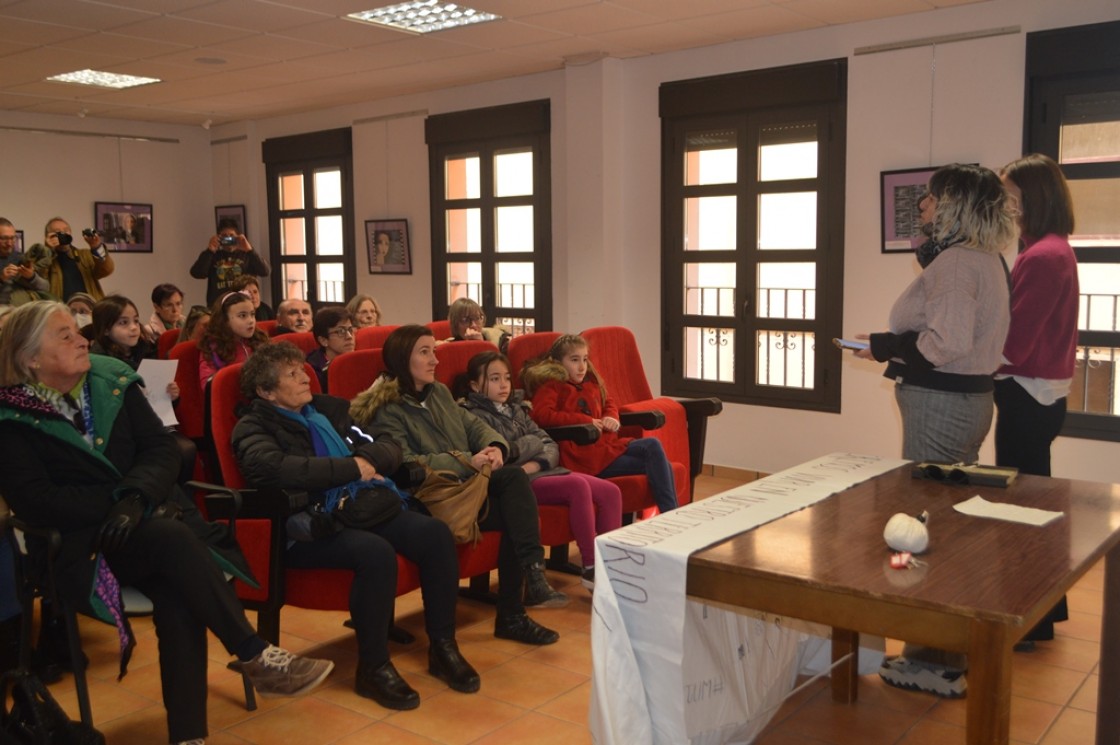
23	337
973	209
261	372
356	303
461	310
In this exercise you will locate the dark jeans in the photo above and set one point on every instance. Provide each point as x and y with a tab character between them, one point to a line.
165	561
372	555
645	457
1025	428
513	510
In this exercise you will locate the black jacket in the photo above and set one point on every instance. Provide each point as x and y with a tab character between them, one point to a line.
275	451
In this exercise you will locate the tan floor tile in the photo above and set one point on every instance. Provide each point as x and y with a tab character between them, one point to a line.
1066	652
1072	726
308	720
539	729
457	720
385	734
795	701
528	684
1086	697
874	692
842	724
572	653
1030	718
572	706
315	625
143	727
1043	682
1080	626
1086	600
782	737
1093	579
932	732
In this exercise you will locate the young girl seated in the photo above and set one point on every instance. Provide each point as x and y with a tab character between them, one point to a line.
117	333
565	389
594	505
230	337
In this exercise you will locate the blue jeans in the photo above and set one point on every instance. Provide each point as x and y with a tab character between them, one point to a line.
646	457
943	426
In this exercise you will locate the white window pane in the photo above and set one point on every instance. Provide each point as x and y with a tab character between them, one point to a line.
787	220
1100	297
709	224
709	289
781	162
513	174
787	290
711	158
293	239
464	231
515	284
331	285
328	189
464	280
1097	219
328	235
785	359
461	175
513	228
709	354
295	281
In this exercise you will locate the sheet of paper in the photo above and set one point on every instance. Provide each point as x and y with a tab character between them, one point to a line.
980	507
157	374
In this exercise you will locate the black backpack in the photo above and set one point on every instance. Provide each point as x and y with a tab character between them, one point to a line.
31	716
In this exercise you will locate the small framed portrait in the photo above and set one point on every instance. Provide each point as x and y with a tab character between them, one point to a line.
388	247
18	248
234	212
124	227
901	191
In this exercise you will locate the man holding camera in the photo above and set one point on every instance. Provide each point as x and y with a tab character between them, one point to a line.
67	268
227	257
19	283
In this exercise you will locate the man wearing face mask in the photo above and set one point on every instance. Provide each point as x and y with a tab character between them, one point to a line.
67	268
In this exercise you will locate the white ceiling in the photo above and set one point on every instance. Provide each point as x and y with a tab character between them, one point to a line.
230	60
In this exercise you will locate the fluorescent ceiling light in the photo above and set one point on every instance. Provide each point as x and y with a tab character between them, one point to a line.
102	79
423	16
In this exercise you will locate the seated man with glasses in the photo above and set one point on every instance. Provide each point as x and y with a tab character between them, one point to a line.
334	331
19	283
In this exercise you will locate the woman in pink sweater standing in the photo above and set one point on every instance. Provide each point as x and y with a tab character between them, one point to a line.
1033	384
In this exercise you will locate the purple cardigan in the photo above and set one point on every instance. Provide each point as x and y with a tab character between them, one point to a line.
1042	340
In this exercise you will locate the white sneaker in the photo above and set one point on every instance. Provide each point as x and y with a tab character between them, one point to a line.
914	676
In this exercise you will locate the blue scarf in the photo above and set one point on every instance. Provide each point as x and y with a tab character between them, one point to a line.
326	442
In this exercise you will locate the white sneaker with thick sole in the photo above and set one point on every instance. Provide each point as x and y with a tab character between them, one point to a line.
914	676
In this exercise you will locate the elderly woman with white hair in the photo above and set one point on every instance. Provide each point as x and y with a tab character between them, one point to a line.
82	452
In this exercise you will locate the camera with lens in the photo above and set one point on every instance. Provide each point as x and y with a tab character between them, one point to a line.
64	239
227	240
90	232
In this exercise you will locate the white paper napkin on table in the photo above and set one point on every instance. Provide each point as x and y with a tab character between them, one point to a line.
980	507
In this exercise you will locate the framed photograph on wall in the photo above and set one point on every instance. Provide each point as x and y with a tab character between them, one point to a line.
18	248
388	247
235	212
900	193
124	227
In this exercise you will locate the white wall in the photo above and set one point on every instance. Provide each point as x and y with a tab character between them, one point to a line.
912	107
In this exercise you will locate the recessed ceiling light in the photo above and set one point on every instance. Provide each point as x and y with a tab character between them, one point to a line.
423	16
102	79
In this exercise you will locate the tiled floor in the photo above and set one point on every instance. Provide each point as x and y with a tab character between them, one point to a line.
540	695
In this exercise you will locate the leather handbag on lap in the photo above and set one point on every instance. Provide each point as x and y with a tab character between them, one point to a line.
455	501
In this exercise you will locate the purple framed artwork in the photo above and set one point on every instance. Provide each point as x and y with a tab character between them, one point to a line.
901	191
388	247
124	227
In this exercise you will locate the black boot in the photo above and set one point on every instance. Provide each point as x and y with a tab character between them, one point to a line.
520	628
446	663
538	593
385	686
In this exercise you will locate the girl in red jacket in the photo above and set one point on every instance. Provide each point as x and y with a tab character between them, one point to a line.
566	389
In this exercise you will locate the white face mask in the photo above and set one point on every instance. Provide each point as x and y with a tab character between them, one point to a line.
83	319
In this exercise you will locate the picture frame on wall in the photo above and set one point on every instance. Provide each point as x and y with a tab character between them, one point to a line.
126	228
235	212
18	248
900	193
388	247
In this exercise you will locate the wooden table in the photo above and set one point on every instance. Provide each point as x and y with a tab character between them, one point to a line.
985	583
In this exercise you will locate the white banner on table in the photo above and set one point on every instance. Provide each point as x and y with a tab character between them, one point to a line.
644	688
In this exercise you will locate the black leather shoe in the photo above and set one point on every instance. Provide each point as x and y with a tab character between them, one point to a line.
538	593
520	628
385	686
446	663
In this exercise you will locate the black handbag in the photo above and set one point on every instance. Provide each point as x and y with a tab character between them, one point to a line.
368	507
35	718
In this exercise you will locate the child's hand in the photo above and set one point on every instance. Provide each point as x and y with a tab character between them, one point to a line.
173	390
531	467
611	424
598	424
